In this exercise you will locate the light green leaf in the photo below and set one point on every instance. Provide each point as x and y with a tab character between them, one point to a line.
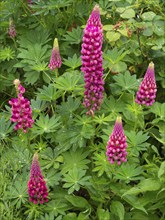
117	209
148	16
128	13
113	36
144	186
161	170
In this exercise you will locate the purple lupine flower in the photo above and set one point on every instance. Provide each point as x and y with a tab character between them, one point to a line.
147	91
116	146
21	110
55	60
12	32
92	62
37	188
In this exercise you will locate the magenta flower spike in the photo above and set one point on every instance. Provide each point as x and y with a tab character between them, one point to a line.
116	146
37	188
12	32
21	110
91	55
147	91
55	60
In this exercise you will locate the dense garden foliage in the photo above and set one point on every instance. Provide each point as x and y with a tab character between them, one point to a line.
82	110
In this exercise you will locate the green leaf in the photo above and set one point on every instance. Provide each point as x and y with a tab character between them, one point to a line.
51	158
7	54
48	93
137	142
57	206
161	170
75	159
115	55
126	81
69	107
128	13
70	81
112	36
74	37
74	179
103	214
73	62
101	163
113	106
144	186
37	105
117	209
78	202
129	172
148	16
45	125
5	128
159	110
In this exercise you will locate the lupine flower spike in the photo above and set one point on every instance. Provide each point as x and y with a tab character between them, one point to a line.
92	62
116	146
147	91
21	110
11	31
37	189
55	60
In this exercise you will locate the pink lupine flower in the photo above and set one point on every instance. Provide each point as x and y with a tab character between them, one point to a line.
12	32
37	189
21	110
116	146
92	62
55	60
147	91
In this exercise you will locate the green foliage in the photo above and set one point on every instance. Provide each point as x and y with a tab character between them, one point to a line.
46	125
81	182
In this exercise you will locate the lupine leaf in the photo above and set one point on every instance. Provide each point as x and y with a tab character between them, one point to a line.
46	125
73	62
74	37
75	159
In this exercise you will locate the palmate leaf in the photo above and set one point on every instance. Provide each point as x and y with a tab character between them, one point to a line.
113	106
18	193
33	54
48	93
37	105
7	54
38	36
70	81
74	179
67	108
159	110
73	62
126	81
75	36
75	159
129	173
101	163
45	125
51	158
52	178
137	142
113	59
5	128
56	207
